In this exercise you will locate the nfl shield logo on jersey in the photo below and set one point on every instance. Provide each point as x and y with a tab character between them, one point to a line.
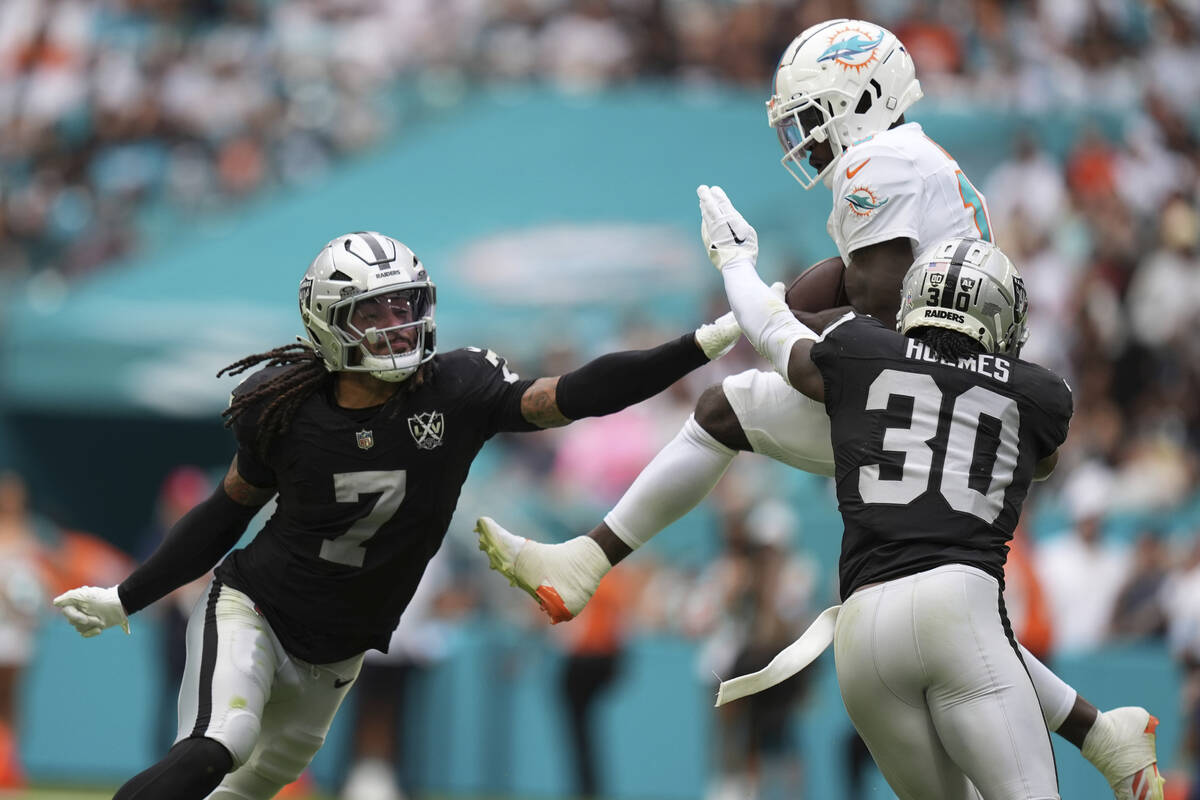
365	439
426	429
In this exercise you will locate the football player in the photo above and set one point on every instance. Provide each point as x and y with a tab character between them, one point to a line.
364	435
837	106
938	430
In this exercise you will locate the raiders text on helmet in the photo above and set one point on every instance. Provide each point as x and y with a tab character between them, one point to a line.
840	81
969	286
367	305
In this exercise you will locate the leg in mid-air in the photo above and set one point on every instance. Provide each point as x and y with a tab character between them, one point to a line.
562	577
1120	742
751	411
759	412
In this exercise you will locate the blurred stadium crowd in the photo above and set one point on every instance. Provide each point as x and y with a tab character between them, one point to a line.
114	109
105	104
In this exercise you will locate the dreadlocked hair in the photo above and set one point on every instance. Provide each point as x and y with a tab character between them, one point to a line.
290	388
948	345
287	390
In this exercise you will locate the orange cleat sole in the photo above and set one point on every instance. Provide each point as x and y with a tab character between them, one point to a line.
553	604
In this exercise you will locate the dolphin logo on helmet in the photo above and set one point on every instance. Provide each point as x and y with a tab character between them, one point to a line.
839	81
850	52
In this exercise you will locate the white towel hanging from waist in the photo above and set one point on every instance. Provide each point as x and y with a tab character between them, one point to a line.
786	663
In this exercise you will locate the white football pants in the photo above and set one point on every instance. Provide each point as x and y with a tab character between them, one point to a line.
783	424
938	692
779	422
241	688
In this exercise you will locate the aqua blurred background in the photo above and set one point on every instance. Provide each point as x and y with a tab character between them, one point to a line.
155	221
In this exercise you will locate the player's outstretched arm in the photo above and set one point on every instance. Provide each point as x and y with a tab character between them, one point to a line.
615	381
763	315
191	548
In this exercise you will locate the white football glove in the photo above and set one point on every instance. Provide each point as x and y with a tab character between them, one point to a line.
726	234
718	337
91	609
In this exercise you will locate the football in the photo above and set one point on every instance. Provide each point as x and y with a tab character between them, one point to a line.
819	287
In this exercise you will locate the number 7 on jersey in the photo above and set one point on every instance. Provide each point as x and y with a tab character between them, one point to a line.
349	487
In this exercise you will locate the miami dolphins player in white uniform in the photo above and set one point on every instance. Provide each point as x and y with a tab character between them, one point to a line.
837	105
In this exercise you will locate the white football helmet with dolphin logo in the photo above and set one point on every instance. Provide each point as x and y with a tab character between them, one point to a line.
840	81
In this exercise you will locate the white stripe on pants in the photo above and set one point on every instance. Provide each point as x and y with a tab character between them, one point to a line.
938	693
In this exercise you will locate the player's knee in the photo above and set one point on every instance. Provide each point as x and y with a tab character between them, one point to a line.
287	757
240	734
715	415
203	756
191	769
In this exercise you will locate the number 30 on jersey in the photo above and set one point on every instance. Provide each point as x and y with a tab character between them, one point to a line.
913	442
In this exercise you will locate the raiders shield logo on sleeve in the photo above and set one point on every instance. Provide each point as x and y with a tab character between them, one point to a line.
426	429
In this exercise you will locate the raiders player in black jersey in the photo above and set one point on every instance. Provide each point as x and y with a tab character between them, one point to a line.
1119	742
365	435
938	431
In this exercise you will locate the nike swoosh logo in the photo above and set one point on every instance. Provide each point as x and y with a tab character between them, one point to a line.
850	173
340	682
736	240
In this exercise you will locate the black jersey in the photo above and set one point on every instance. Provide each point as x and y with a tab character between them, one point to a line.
932	460
364	501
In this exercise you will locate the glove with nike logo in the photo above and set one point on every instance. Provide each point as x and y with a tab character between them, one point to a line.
91	609
726	234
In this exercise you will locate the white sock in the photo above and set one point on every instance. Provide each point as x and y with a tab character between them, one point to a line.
1056	697
679	477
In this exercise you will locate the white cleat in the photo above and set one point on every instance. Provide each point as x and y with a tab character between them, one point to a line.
1121	745
560	577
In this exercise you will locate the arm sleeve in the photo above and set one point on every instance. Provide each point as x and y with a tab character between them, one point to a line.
880	202
191	548
253	469
618	380
764	317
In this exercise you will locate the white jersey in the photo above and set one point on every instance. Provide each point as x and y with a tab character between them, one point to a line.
901	184
896	184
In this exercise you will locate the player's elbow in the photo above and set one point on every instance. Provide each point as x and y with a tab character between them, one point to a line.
1046	466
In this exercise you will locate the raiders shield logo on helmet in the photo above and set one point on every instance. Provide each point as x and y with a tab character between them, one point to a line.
426	429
